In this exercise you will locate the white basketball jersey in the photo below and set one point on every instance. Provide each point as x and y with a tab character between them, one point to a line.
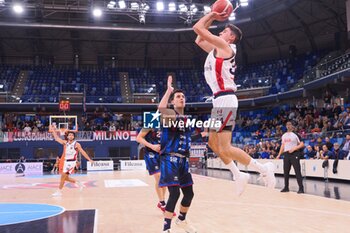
219	72
71	152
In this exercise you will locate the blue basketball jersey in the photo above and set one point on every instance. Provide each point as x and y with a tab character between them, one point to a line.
152	137
176	139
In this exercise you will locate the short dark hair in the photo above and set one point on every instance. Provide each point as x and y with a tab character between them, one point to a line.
235	30
292	123
68	132
174	92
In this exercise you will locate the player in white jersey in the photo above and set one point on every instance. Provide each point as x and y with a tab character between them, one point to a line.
219	72
71	148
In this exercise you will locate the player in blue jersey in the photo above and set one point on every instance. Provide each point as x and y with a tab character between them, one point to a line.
150	138
175	150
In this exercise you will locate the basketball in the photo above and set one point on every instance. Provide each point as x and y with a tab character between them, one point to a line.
222	6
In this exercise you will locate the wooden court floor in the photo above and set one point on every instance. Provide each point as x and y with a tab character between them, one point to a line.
215	209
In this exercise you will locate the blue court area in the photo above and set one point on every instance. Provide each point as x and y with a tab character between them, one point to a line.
11	213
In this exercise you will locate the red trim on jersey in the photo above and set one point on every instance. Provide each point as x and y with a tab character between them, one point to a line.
225	122
70	170
218	72
76	155
76	149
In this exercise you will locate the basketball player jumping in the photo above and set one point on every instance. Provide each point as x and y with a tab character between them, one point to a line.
175	150
219	72
150	138
70	154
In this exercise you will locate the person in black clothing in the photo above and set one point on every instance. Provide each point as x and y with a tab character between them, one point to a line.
291	144
328	143
338	154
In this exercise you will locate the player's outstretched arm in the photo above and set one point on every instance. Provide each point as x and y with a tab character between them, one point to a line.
163	104
205	45
82	151
141	139
54	131
201	30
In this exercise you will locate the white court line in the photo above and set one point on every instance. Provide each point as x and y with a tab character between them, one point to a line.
277	207
96	221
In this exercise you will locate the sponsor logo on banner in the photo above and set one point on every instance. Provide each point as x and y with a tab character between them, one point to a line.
6	168
80	136
132	165
109	136
25	136
21	168
100	166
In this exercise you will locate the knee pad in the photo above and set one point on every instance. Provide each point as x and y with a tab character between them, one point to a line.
174	194
188	196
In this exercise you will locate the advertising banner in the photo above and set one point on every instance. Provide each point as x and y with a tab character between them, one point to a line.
100	166
21	168
132	165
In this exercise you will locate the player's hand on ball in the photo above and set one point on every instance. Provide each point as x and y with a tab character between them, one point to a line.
170	85
219	16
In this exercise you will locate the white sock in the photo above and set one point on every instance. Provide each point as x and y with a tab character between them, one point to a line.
258	166
234	169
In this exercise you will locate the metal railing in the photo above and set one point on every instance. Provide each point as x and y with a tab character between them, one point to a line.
338	134
325	68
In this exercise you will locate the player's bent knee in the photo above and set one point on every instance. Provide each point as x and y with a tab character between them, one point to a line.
222	152
224	148
213	146
188	196
225	159
174	194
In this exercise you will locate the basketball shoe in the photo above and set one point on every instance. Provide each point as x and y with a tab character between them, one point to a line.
269	176
162	208
241	182
80	185
185	226
58	193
